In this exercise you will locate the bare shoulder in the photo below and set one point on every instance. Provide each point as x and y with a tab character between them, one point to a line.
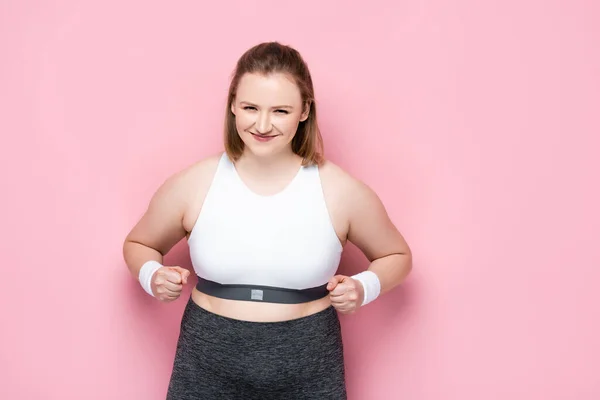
356	199
347	198
203	168
369	225
179	192
341	183
163	223
186	182
196	181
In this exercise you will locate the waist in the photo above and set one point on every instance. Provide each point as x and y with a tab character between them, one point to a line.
257	311
322	326
263	294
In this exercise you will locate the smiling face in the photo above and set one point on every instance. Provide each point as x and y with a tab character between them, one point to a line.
268	110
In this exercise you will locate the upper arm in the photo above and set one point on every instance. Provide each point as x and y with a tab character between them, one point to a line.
161	226
370	227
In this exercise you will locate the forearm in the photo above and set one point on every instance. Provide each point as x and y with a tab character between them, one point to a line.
391	270
136	254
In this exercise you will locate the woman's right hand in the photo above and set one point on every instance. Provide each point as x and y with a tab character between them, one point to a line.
167	283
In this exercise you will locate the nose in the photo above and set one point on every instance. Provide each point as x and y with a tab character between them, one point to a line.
263	123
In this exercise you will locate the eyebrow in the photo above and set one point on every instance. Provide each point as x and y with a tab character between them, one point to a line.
254	105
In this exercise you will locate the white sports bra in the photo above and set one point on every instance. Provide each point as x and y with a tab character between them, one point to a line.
285	240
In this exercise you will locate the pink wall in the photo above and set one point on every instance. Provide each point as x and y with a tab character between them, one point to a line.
476	122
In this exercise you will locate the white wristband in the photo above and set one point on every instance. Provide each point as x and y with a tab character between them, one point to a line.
145	276
371	285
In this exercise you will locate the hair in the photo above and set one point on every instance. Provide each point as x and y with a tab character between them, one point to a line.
273	57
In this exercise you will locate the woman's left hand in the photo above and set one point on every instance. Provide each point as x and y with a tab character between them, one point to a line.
346	294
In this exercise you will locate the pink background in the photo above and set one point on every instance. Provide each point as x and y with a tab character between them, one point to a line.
477	122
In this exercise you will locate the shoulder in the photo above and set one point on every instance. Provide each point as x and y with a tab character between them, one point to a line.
336	179
182	185
352	198
199	170
203	169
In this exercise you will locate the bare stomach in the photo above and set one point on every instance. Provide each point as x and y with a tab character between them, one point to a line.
258	312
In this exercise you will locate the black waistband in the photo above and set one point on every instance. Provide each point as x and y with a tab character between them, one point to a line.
265	294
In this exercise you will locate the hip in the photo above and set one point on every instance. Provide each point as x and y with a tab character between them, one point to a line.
222	357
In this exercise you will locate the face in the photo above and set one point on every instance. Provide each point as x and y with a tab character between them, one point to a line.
267	112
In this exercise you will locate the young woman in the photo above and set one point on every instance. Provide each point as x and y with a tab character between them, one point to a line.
266	222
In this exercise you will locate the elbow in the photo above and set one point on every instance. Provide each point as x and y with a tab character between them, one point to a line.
126	250
407	261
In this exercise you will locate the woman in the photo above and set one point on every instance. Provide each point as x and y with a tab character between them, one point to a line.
266	222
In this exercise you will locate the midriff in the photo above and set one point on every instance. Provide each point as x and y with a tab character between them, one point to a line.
256	311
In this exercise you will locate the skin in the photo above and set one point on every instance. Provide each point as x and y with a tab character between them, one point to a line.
272	106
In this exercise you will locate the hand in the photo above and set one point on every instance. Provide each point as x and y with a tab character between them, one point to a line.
346	294
167	283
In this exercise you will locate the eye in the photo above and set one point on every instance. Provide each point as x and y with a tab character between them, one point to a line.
282	111
249	108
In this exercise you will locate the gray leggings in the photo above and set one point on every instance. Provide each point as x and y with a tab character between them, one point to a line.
223	358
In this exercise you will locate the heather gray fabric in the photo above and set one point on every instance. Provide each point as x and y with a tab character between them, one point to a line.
223	358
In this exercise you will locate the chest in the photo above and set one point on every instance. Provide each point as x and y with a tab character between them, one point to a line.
331	210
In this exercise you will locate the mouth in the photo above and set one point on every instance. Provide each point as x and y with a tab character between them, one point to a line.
263	138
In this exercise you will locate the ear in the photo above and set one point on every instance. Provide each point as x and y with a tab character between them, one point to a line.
306	111
233	106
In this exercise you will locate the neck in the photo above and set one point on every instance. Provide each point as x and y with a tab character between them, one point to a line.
269	165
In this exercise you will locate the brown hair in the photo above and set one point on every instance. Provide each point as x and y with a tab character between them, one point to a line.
273	57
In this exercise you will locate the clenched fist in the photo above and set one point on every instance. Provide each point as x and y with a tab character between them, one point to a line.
346	294
167	283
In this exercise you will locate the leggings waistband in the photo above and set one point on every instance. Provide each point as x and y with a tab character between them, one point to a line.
213	326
